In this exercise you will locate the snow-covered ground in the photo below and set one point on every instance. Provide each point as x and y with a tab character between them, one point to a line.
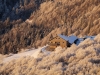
31	52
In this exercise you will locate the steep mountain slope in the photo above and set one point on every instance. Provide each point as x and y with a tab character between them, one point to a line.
35	19
81	14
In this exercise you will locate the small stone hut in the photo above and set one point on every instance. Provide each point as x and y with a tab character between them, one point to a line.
62	40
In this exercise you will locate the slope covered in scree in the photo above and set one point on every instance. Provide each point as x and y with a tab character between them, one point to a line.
32	20
83	59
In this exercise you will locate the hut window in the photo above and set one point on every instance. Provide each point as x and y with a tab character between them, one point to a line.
56	42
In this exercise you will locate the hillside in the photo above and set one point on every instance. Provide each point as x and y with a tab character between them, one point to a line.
83	59
31	23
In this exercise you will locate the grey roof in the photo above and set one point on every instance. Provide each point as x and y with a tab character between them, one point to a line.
91	37
71	39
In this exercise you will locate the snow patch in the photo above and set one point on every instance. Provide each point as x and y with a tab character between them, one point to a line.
33	53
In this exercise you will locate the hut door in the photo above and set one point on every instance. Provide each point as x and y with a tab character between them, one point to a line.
58	43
